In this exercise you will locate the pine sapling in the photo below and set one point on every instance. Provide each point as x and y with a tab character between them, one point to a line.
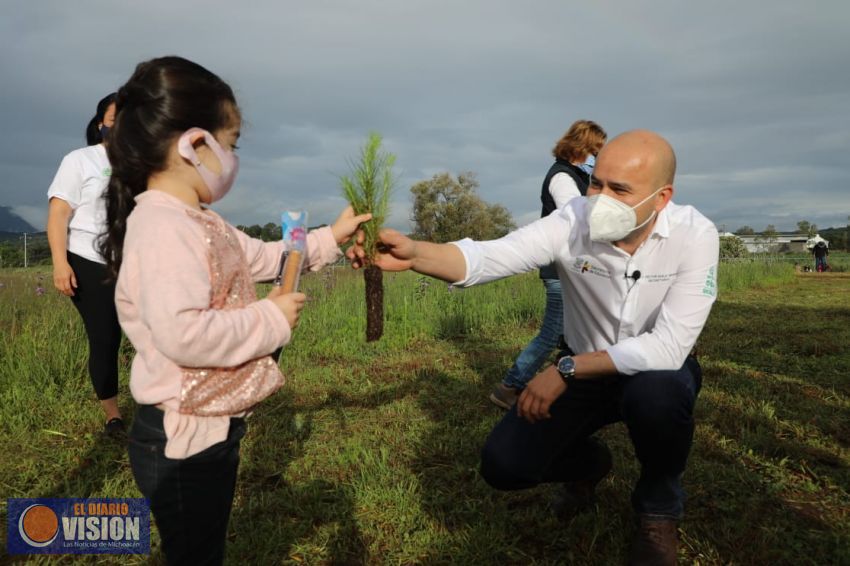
368	189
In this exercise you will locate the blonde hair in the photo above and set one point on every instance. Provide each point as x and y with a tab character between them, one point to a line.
584	137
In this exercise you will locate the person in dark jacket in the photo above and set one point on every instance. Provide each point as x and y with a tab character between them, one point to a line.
821	252
567	178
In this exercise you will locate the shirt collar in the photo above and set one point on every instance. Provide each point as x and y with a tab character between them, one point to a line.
662	224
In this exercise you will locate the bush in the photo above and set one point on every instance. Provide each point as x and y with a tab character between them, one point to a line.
732	247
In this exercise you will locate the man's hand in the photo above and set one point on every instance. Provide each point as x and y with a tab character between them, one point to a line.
396	252
535	400
347	223
64	279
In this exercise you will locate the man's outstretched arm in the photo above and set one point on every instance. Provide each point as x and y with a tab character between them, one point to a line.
397	252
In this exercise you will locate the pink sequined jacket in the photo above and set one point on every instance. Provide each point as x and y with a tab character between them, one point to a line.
163	298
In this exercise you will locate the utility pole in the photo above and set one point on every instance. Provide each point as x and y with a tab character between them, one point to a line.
25	250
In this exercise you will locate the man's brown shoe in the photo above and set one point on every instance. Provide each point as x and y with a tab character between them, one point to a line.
655	542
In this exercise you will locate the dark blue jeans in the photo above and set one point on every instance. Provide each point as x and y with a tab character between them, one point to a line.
190	499
532	357
656	406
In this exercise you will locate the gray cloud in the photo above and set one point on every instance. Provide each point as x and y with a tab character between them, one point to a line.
752	96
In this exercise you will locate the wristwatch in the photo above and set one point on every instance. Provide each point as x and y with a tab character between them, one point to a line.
566	366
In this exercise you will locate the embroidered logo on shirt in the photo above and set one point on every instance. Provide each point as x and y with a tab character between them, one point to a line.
583	265
710	287
107	172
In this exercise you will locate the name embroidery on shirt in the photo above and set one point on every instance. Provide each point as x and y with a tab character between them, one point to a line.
658	277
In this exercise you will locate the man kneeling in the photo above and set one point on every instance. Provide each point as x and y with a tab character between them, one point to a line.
638	275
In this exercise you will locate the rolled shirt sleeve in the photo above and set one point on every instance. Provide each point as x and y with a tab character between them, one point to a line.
68	182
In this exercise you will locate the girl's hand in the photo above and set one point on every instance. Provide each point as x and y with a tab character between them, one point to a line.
64	278
346	225
290	304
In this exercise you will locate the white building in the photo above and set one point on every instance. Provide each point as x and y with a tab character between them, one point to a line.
779	243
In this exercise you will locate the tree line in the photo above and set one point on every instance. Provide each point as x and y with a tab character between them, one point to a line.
445	208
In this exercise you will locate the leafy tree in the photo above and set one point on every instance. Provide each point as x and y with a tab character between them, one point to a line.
447	209
837	237
732	247
768	237
368	189
253	230
271	232
745	231
807	228
13	252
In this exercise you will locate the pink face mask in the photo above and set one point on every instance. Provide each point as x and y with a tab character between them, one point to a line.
220	184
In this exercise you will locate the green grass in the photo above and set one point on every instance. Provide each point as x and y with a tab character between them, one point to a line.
369	454
749	274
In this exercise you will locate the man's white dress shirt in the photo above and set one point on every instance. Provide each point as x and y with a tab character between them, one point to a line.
648	322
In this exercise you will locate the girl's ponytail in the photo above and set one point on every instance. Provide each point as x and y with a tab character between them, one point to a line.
120	201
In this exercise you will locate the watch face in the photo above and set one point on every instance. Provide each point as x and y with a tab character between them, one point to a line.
566	365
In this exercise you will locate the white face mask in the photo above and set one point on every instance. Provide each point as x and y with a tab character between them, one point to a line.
611	220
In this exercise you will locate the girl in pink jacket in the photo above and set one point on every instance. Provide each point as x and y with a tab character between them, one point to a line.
185	297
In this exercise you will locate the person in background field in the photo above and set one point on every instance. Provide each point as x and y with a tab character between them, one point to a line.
567	178
640	277
185	298
76	218
821	252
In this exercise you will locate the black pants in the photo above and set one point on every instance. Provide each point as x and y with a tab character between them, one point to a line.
190	499
95	301
656	406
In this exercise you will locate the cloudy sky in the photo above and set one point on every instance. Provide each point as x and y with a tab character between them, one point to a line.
752	95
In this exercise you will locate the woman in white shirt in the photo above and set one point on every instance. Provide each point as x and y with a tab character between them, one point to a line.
76	219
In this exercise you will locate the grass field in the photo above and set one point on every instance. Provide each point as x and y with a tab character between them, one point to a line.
369	454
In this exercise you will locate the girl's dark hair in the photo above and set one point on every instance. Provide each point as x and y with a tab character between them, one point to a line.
93	136
163	98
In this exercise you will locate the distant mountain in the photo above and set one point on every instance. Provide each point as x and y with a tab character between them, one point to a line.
11	222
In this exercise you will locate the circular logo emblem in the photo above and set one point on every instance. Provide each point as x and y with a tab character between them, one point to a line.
38	525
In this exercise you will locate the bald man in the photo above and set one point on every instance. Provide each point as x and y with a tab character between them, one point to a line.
639	279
